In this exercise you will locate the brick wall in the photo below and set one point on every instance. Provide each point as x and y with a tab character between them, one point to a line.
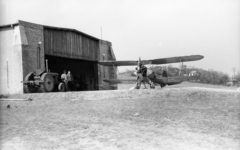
34	34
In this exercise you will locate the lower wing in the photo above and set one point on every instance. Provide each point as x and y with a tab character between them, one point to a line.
155	80
184	78
119	80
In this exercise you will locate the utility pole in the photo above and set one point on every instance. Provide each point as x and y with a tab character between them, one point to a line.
7	78
101	34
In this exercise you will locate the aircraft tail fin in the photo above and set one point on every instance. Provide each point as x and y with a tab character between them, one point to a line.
181	67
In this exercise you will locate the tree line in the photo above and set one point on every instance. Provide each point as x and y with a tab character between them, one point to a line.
205	76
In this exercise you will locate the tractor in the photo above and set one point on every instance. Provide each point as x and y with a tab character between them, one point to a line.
41	80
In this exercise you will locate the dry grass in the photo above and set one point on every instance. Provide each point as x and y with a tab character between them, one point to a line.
145	119
184	85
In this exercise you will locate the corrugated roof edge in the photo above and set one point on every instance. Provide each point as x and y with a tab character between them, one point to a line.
51	27
8	25
69	29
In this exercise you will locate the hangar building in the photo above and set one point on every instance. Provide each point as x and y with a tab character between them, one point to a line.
63	48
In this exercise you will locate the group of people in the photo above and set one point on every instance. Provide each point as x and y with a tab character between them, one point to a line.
142	77
67	78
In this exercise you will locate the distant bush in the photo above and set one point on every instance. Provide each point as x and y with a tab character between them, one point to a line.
237	76
3	96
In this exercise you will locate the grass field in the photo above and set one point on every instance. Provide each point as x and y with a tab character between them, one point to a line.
183	85
173	118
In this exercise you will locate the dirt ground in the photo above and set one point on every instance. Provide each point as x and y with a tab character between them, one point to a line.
174	118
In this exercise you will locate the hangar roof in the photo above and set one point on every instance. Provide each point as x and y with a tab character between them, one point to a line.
69	29
50	27
8	25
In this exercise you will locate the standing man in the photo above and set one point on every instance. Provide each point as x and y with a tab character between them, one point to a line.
143	71
141	74
70	81
64	79
64	76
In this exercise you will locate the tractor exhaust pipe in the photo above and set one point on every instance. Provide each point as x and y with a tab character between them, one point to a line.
46	65
39	55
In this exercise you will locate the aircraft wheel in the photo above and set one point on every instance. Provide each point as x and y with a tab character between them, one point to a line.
62	87
48	83
152	86
30	87
162	85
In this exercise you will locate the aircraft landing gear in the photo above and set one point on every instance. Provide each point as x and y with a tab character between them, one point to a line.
162	85
152	86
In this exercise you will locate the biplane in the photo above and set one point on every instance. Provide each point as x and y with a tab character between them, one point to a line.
157	80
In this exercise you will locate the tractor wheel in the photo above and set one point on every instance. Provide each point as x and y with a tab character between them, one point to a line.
62	87
48	83
30	88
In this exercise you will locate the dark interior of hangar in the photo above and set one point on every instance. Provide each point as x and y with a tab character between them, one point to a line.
84	72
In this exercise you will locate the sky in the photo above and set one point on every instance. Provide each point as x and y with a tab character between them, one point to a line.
148	29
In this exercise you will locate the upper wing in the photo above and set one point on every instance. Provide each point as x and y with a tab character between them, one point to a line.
177	59
153	61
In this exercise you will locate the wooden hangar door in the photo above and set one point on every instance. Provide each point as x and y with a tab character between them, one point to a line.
84	72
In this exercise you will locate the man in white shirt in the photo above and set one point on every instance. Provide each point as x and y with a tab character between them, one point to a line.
64	79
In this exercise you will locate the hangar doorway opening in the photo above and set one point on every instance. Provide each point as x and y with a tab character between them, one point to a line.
85	73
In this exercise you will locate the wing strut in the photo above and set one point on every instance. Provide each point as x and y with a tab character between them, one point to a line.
181	66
